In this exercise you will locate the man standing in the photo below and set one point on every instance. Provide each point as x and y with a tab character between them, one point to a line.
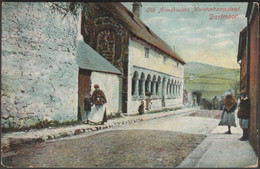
98	112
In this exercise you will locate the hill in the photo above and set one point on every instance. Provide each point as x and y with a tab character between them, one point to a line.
210	80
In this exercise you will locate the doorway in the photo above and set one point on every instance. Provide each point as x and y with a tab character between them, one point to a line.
84	89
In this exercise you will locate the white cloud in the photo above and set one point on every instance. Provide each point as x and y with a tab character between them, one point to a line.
157	20
219	35
188	30
173	38
176	31
188	20
196	40
223	44
208	29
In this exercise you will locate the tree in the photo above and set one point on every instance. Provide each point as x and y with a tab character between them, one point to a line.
198	94
235	85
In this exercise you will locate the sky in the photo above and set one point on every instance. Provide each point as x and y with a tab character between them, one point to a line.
195	34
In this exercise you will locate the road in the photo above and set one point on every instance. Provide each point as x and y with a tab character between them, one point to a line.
163	142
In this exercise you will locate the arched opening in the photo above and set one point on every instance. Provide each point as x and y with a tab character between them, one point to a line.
148	85
141	85
168	87
158	86
133	86
176	87
163	92
106	41
134	83
153	86
173	88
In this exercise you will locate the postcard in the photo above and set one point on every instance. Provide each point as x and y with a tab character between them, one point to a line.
130	84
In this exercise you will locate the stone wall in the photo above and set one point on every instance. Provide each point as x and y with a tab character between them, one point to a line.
39	70
109	38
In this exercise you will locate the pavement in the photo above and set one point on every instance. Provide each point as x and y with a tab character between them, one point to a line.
12	140
219	150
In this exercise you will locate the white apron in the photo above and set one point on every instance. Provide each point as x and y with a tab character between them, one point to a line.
97	113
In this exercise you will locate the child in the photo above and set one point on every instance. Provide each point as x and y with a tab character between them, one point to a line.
141	108
87	109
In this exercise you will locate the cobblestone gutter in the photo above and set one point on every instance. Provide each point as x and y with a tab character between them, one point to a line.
12	140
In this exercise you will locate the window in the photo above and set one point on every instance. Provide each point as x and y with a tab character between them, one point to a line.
164	59
146	52
135	81
133	86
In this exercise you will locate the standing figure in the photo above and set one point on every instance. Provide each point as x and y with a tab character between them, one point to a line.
98	112
87	109
148	100
243	114
215	103
141	108
228	115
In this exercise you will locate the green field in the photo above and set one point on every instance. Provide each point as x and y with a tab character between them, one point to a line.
210	80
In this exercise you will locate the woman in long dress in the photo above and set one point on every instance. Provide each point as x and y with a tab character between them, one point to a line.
98	111
228	115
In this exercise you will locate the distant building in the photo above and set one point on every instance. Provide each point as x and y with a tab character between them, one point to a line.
248	58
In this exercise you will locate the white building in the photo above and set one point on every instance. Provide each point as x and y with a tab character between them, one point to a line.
156	73
146	62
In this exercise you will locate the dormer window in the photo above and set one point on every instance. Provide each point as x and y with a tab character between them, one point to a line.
146	52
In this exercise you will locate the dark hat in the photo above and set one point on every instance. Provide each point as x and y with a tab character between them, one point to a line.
96	86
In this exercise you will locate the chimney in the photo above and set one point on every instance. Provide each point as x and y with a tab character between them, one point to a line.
137	6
